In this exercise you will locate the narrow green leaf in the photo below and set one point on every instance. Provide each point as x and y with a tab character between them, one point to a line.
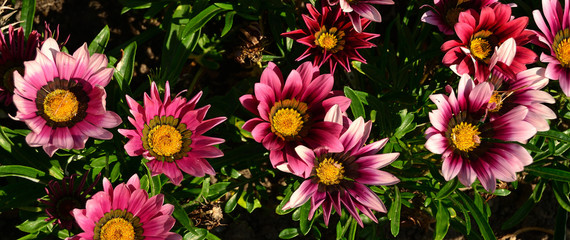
525	209
549	173
32	226
561	193
100	41
196	234
289	233
124	70
229	21
480	219
554	135
356	105
560	227
179	213
442	221
205	187
394	213
407	125
352	230
217	190
447	189
27	15
232	202
305	224
26	172
288	192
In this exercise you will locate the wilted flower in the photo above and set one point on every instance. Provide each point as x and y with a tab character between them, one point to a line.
337	177
169	134
291	113
473	146
125	212
331	38
445	13
361	8
62	98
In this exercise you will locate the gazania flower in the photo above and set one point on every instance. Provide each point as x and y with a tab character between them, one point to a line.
556	35
14	50
331	38
445	13
62	98
64	196
340	176
291	113
479	34
169	134
473	146
361	8
125	212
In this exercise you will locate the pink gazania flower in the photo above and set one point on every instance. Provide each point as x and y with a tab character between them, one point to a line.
169	134
62	98
331	38
15	49
125	212
473	146
339	177
361	8
291	113
556	36
64	196
445	13
479	34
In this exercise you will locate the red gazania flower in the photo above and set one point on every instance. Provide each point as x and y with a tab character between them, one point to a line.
125	212
339	177
291	113
361	8
473	146
15	49
331	38
64	196
480	34
169	134
556	36
445	13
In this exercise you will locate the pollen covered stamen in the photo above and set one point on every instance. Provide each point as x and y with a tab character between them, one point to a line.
465	137
165	140
288	122
61	105
117	229
497	101
331	40
562	51
480	48
330	172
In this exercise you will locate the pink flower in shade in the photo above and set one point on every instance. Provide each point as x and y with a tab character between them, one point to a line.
331	38
479	34
445	13
169	134
292	113
125	212
64	196
340	176
62	98
556	36
361	8
473	146
15	49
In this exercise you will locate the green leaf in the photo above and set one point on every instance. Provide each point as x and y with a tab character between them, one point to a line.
125	67
356	105
352	230
232	202
394	213
5	140
480	219
100	42
205	187
179	213
407	125
561	193
304	223
447	189
229	21
288	192
560	227
217	190
442	221
554	135
196	234
289	233
525	209
26	172
27	16
32	226
549	173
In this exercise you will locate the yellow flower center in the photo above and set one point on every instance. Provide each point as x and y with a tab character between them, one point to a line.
497	99
165	140
61	105
330	172
480	48
562	51
331	40
465	137
117	229
288	122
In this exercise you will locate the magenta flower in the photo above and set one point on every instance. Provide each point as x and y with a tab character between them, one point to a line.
361	8
445	13
62	98
556	36
169	134
291	113
479	34
125	212
472	146
340	176
331	38
14	50
64	196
